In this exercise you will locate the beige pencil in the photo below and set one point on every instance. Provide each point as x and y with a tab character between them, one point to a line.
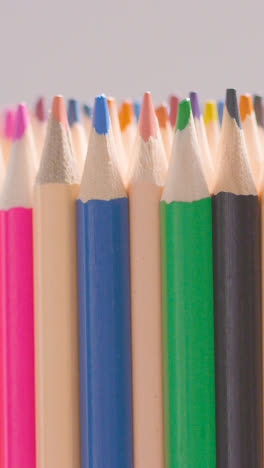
56	324
145	186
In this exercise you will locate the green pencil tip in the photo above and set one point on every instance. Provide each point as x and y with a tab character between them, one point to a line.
183	114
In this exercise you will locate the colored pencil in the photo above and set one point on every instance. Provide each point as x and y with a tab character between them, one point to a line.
187	298
120	150
165	128
206	158
104	303
17	407
8	130
258	107
56	319
254	149
145	186
173	104
87	117
79	140
127	125
136	107
39	123
212	127
2	169
237	300
220	110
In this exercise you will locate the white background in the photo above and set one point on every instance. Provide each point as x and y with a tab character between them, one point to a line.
81	48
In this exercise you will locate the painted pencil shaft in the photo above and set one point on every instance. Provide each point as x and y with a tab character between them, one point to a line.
56	327
237	330
188	334
17	409
104	333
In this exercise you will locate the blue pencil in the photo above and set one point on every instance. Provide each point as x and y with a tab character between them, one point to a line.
104	304
220	110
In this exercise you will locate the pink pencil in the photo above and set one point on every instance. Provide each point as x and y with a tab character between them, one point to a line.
17	411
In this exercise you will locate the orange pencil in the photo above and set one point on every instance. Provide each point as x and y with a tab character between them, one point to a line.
165	128
127	125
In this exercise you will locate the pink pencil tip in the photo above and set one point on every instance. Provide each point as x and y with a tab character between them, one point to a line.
41	109
21	121
147	123
9	119
59	111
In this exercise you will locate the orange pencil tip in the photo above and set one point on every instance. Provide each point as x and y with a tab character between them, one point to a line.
59	111
245	106
125	114
162	115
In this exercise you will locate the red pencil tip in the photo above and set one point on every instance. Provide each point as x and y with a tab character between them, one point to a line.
21	121
41	109
59	111
147	123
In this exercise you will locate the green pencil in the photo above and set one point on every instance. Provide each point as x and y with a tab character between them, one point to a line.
187	301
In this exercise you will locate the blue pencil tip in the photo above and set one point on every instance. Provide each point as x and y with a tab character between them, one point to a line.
73	111
137	106
87	110
100	114
220	109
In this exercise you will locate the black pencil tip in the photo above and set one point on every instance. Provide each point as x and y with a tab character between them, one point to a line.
232	105
257	100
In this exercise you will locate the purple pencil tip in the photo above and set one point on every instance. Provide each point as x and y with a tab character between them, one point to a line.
195	104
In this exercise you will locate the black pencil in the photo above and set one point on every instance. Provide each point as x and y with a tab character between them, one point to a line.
237	300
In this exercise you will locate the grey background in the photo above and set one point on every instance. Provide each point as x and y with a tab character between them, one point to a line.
123	48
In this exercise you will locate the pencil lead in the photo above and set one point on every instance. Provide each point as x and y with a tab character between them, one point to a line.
136	106
147	123
174	102
210	111
220	109
59	111
232	105
9	121
195	104
87	110
183	114
162	115
245	106
21	121
259	110
41	109
101	119
74	114
125	114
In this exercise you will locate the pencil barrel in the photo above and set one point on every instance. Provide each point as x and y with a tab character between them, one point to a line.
237	307
104	333
188	334
17	399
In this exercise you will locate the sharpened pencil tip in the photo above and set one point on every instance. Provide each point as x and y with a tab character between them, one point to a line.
21	121
195	104
257	101
125	114
232	105
174	102
162	115
87	110
136	106
147	123
9	120
245	106
59	111
101	119
220	109
41	109
210	111
74	114
183	114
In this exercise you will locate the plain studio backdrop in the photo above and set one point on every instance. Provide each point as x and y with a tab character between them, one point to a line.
82	48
